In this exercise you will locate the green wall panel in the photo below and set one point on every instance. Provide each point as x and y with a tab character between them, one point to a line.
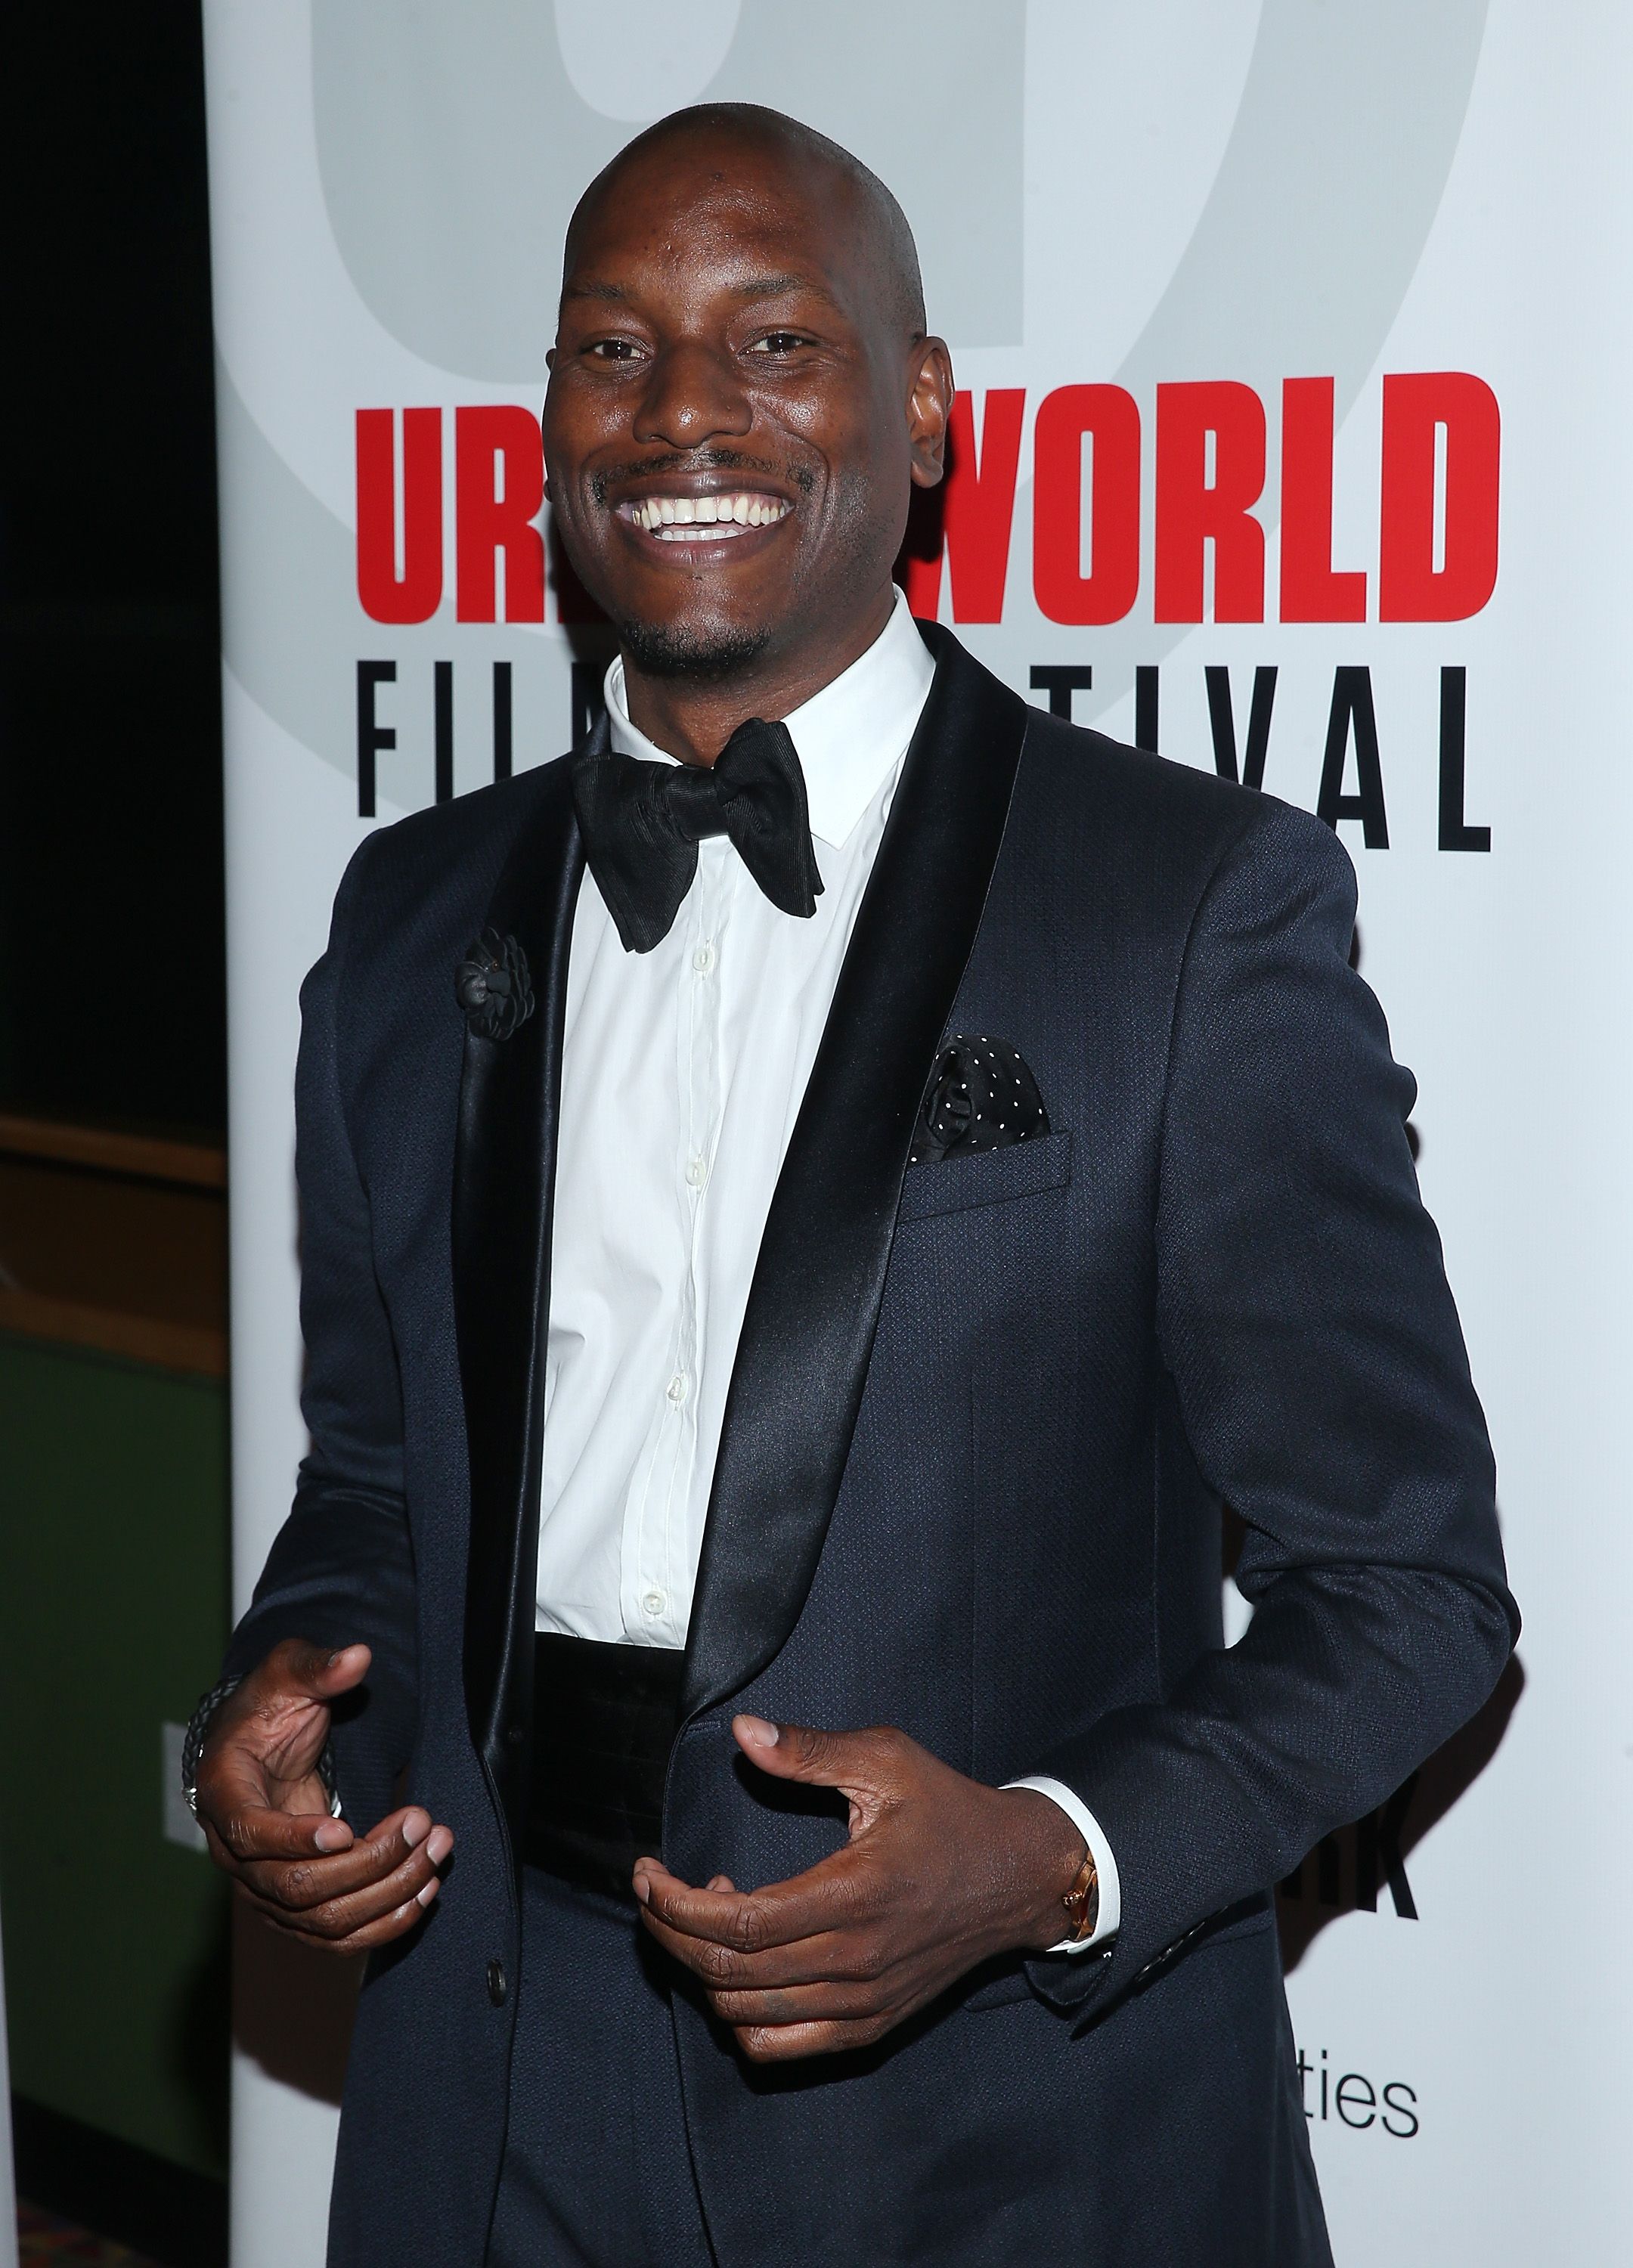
113	1603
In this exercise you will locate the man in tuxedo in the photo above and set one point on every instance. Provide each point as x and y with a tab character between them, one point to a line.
811	1202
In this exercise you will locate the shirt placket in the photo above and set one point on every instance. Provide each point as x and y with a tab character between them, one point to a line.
663	1544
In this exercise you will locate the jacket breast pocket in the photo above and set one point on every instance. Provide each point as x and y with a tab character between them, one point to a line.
1026	1169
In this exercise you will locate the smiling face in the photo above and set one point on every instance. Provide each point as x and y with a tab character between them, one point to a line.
740	398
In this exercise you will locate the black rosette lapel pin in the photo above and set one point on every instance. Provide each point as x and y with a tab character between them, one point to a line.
493	986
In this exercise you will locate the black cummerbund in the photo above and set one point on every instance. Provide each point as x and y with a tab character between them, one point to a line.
604	1720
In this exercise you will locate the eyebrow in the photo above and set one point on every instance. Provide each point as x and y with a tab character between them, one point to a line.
577	291
778	287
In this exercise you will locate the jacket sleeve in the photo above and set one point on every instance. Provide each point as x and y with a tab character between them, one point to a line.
1305	1320
341	1566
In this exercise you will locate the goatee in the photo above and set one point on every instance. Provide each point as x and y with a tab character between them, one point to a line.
705	658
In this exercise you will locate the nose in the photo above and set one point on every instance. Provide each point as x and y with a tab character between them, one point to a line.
693	396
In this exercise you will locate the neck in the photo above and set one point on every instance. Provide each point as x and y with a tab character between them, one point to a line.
693	720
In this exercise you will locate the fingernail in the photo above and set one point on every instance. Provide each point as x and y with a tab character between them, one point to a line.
416	1828
428	1892
333	1836
643	1888
334	1657
438	1849
757	1730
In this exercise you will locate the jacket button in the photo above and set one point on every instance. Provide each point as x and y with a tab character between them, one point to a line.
496	1986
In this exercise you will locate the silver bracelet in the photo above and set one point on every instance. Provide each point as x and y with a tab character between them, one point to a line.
198	1728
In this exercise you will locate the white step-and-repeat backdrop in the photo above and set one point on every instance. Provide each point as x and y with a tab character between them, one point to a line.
1295	339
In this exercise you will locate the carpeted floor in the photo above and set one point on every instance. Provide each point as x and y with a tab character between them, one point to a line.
43	2240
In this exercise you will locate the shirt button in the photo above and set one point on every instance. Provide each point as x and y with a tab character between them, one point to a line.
676	1389
497	1985
653	1604
703	958
696	1173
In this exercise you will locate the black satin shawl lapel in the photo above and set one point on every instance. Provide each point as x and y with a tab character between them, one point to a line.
504	1190
813	1306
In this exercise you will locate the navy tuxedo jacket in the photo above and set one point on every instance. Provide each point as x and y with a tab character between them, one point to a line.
983	1418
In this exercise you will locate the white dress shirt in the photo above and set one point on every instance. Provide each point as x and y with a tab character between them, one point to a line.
683	1071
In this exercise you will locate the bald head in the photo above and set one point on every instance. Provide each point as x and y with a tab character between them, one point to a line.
880	241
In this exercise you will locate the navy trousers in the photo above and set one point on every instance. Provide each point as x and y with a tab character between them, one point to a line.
597	2170
1024	2162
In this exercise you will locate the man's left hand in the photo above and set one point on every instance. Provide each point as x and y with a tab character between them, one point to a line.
940	1874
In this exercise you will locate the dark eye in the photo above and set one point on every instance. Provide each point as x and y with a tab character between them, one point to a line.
779	343
612	350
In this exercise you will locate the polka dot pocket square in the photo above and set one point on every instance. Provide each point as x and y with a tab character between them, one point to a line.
981	1096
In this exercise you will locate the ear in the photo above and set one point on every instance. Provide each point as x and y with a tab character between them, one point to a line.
930	405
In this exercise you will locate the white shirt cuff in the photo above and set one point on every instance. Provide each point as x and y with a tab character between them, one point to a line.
1100	1849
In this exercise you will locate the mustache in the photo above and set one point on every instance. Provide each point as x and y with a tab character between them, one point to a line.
699	460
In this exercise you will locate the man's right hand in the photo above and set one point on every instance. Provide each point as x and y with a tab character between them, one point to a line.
265	1811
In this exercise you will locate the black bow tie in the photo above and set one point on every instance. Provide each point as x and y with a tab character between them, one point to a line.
642	824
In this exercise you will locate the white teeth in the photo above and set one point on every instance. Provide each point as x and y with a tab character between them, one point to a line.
725	533
725	514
